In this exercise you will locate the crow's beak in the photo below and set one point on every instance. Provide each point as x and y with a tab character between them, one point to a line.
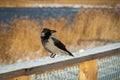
53	31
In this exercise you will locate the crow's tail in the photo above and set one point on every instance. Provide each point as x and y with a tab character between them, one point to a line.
70	53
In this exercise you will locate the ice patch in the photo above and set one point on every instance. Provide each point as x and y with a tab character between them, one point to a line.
81	50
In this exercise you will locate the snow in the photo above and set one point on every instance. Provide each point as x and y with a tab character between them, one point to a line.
69	5
81	50
29	64
98	50
59	58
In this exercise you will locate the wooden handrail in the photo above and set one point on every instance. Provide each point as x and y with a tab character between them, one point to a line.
45	64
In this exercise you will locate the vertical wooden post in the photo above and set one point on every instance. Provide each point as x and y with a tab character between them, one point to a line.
88	70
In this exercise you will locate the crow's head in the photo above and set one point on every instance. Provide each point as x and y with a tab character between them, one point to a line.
47	32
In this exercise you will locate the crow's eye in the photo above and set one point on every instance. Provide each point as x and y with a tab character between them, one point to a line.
42	34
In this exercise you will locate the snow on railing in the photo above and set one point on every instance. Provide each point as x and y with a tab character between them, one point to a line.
69	6
47	63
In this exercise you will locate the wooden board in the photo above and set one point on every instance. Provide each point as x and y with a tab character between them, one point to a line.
20	78
88	70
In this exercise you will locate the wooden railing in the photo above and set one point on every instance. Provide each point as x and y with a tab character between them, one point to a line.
86	60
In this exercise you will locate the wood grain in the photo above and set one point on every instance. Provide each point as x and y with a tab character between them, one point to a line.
88	70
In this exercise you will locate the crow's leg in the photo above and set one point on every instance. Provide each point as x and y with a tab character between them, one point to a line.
52	55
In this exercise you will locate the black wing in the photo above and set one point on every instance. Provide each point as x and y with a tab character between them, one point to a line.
60	45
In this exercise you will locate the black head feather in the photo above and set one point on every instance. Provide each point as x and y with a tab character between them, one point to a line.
46	33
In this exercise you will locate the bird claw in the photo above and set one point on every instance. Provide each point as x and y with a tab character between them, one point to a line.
52	55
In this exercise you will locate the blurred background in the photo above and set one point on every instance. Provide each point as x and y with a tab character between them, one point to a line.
80	25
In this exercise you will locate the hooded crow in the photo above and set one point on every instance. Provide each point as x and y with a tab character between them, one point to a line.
52	44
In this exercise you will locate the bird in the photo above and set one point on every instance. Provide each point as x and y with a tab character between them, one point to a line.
52	44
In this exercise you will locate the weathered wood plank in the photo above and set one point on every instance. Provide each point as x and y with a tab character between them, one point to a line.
88	70
45	64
